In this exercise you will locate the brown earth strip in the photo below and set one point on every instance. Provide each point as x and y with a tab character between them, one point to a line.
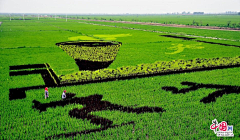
172	25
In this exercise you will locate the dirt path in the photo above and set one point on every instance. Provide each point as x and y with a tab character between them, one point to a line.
161	32
171	25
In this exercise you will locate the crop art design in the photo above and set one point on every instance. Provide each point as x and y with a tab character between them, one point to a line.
194	39
49	77
178	48
92	103
179	37
91	55
221	89
112	37
74	38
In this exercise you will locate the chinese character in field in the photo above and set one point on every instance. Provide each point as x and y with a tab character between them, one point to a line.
93	103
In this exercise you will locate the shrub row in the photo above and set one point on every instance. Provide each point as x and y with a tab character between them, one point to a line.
159	67
98	53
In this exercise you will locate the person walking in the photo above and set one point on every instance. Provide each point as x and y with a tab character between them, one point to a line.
64	94
46	92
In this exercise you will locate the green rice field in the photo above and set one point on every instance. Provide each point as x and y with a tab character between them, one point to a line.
163	83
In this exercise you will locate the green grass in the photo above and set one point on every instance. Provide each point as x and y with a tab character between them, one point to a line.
200	20
25	81
185	117
233	35
140	45
58	60
181	110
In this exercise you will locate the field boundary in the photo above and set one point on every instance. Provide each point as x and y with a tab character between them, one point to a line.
19	93
159	67
48	75
209	42
162	32
170	25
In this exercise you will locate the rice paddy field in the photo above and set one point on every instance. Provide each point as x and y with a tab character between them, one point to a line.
161	83
199	20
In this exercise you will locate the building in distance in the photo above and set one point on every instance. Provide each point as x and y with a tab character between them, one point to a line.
198	13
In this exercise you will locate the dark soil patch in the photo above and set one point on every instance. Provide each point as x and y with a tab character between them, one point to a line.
92	103
30	66
55	77
92	65
50	81
17	93
188	38
217	43
178	37
221	89
88	43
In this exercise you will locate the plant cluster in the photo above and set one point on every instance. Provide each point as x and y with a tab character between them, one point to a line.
185	117
159	67
103	53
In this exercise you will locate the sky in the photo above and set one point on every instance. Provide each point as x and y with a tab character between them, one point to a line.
118	6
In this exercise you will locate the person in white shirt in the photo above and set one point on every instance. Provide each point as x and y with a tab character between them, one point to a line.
64	95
